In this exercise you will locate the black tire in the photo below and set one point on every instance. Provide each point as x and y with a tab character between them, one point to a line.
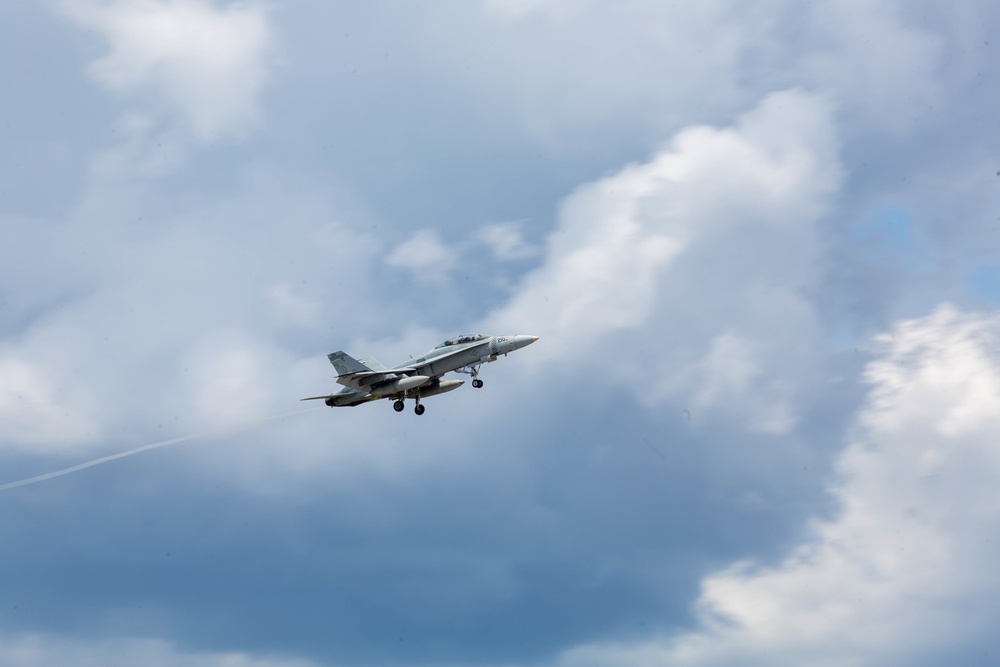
419	409
398	406
477	383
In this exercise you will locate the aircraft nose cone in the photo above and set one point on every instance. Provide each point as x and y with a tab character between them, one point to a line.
524	341
507	344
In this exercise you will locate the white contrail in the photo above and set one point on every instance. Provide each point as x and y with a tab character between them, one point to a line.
146	448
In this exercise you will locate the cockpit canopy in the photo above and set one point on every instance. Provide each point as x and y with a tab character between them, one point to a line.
464	338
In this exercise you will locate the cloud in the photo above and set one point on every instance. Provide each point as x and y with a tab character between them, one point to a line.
705	252
204	63
886	71
227	377
289	306
506	241
43	651
513	10
638	68
627	64
906	567
36	413
425	256
574	498
165	309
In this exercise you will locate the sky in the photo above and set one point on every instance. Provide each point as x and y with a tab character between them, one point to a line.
759	242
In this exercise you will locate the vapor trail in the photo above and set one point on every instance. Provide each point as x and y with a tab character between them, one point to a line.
146	448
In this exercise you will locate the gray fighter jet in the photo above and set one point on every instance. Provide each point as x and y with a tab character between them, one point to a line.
367	380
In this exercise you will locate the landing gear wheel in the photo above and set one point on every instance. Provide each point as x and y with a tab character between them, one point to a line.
398	406
477	383
419	409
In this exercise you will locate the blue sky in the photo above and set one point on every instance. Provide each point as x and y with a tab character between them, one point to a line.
759	243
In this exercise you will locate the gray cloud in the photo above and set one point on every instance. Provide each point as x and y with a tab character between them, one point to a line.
721	199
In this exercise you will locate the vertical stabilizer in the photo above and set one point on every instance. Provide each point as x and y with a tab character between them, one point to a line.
346	364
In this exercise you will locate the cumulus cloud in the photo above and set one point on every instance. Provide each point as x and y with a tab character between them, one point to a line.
227	376
145	322
906	567
36	412
291	307
506	241
425	256
205	63
706	251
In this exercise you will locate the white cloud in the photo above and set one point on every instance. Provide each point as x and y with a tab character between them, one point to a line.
715	239
208	64
290	307
907	566
36	413
175	319
506	241
226	376
731	371
425	256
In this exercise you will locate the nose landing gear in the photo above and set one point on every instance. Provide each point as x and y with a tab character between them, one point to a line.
474	372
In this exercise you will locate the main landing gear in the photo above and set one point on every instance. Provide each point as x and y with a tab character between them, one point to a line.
398	406
474	372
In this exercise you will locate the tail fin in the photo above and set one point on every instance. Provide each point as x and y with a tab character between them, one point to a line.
346	364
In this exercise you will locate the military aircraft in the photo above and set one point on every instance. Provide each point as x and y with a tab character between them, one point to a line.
366	379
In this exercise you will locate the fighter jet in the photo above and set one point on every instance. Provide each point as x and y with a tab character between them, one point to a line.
366	379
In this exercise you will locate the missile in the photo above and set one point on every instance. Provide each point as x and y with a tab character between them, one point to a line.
400	385
440	387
